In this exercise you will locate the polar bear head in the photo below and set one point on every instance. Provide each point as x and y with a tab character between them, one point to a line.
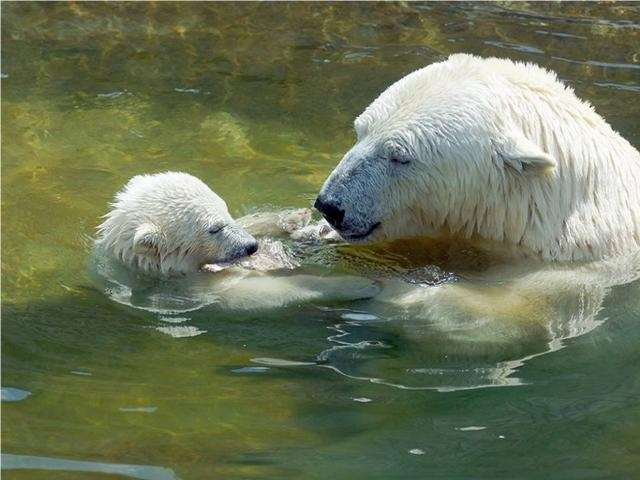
171	223
485	148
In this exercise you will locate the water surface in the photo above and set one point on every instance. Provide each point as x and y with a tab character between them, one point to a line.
258	100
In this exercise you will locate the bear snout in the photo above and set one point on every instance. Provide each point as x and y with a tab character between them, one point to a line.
251	248
332	213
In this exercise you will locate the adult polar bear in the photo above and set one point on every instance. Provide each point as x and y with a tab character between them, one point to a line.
500	155
491	150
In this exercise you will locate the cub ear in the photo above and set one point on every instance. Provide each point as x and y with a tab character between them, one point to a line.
522	155
147	239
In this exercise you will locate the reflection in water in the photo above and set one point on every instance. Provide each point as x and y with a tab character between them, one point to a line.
476	333
473	329
142	472
9	394
267	280
523	308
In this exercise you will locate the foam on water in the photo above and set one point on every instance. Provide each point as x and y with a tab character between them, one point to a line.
181	331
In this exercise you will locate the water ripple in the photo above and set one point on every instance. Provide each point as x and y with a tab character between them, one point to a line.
595	63
619	86
514	46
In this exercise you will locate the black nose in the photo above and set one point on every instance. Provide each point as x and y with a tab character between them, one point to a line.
252	248
332	213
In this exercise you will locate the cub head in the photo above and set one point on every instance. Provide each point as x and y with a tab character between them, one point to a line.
172	222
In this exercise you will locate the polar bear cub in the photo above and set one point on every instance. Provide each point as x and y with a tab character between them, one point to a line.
171	223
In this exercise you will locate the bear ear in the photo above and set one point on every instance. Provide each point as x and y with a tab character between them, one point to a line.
522	155
146	240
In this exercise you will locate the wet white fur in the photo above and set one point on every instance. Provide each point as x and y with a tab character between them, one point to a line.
500	151
161	224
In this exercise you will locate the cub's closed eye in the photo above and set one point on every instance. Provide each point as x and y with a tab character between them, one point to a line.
215	230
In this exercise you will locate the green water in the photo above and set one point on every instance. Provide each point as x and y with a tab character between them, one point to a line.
258	101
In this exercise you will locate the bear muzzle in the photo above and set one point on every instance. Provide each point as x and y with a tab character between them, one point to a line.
336	218
331	212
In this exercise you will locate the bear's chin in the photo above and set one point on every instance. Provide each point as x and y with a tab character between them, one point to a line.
213	265
366	236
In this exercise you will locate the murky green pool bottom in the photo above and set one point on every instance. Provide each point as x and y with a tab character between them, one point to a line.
258	101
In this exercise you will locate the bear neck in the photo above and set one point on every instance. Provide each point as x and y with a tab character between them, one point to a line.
587	207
